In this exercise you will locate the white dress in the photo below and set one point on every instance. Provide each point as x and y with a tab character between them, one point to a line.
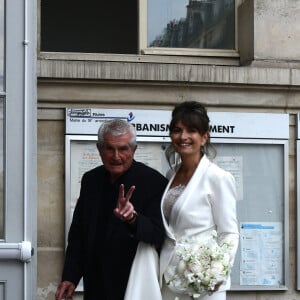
170	199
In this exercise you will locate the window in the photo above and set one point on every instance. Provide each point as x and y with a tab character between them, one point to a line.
92	26
139	26
193	24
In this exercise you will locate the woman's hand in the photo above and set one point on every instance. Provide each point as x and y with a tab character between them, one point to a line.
216	288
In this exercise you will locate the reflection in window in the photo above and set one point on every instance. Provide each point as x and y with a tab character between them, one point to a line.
201	24
1	44
1	171
92	26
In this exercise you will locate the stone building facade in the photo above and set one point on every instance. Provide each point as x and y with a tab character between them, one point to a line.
264	76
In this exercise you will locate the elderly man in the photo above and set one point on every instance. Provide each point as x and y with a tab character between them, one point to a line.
119	205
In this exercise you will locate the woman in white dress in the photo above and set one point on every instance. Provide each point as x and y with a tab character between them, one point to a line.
199	199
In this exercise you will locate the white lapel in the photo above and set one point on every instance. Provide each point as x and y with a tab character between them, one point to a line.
183	200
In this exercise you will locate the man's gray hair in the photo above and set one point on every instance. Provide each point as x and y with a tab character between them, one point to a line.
116	127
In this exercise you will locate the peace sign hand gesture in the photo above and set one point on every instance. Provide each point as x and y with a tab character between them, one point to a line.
125	210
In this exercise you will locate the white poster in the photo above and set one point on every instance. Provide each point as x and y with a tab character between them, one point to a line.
84	157
261	253
234	165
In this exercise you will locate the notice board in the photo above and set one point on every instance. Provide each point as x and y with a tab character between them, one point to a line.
252	146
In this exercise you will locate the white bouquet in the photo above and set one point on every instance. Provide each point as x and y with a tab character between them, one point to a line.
201	265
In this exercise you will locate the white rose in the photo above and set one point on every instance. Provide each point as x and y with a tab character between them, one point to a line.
196	268
194	248
217	267
205	280
181	267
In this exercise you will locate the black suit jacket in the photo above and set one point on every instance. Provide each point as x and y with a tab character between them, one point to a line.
101	247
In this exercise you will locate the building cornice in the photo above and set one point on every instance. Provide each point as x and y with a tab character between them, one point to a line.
168	72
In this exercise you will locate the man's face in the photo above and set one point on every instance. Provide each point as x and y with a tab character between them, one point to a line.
116	154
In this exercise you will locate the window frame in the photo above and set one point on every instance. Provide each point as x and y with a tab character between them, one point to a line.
142	38
150	55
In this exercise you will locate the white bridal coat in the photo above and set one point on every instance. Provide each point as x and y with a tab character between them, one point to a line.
207	203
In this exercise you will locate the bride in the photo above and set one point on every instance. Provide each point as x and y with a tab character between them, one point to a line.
199	199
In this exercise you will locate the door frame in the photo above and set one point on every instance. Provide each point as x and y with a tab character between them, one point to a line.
20	151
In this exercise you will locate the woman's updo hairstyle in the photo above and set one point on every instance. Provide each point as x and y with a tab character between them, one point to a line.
193	115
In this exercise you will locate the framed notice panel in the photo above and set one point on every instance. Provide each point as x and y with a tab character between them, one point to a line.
260	170
252	146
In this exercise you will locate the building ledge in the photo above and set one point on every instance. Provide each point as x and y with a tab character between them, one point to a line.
168	72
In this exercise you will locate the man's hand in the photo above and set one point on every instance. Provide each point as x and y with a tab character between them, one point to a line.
124	209
65	290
